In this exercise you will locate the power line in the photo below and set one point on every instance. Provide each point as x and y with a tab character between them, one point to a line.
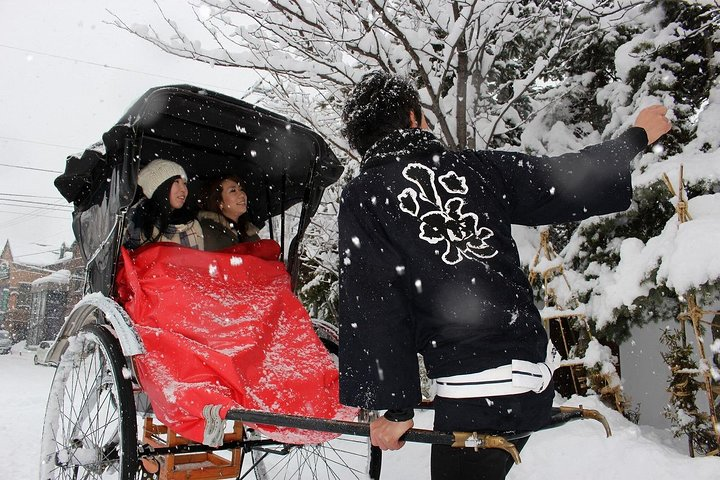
54	250
87	62
41	206
6	202
26	216
30	196
32	202
51	238
29	168
105	65
41	143
31	215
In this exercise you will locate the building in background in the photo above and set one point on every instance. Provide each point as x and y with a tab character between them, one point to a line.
34	300
49	297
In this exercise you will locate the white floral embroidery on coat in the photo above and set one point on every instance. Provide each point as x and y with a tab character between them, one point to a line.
439	206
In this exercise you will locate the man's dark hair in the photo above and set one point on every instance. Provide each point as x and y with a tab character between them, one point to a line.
378	105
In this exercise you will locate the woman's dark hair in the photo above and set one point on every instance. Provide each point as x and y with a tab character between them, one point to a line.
213	200
377	106
157	212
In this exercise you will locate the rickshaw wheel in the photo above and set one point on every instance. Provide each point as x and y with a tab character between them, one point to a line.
346	457
90	426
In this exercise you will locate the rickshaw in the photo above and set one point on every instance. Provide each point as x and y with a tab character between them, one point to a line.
99	422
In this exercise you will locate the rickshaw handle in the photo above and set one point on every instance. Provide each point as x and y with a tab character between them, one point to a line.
456	439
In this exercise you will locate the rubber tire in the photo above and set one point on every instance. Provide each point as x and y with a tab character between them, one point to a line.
96	370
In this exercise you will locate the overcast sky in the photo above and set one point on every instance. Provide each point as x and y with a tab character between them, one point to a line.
68	77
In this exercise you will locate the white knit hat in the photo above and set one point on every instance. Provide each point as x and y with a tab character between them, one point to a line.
156	172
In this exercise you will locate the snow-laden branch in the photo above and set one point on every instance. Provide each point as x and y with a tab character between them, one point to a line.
463	54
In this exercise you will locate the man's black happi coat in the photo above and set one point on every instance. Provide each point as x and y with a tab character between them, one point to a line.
428	264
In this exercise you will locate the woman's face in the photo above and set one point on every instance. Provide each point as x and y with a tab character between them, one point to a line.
234	199
178	193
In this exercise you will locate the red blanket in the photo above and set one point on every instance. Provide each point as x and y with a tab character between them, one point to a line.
224	328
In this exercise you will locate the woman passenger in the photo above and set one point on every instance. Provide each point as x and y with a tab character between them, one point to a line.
225	221
162	215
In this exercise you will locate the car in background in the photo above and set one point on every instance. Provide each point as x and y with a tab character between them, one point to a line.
41	353
5	342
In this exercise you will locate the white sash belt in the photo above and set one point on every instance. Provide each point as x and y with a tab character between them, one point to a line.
518	377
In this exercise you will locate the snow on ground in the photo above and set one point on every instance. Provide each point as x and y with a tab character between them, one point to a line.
576	451
24	388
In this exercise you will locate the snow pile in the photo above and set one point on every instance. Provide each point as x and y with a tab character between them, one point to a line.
580	451
576	451
61	277
683	257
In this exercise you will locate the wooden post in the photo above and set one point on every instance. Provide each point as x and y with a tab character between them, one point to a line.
694	313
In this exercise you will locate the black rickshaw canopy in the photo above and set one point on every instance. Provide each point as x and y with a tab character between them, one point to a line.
282	162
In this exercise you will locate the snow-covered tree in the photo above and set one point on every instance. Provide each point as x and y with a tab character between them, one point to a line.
477	64
633	266
484	68
541	76
642	265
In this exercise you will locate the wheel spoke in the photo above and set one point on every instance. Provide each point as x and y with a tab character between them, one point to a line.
91	429
343	458
324	461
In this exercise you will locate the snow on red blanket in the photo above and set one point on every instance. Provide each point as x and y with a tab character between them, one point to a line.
224	328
